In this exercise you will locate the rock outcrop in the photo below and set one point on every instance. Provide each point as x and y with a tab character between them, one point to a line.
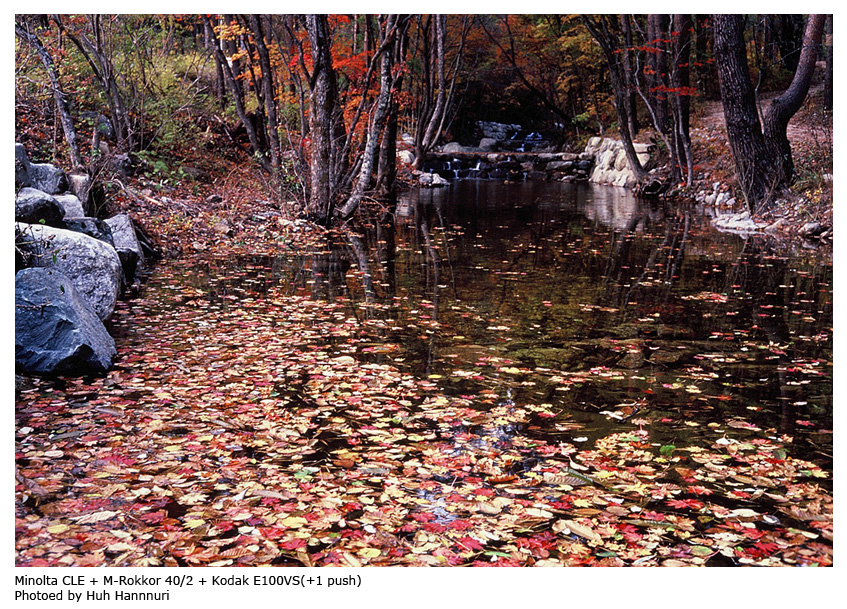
126	244
611	167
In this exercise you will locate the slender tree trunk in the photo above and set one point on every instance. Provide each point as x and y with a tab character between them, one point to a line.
95	53
706	77
231	83
267	90
387	166
210	42
681	84
431	133
377	122
602	33
657	28
632	108
58	93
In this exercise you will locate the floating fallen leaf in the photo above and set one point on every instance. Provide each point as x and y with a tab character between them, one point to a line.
94	517
582	530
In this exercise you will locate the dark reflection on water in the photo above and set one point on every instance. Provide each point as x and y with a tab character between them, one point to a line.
581	297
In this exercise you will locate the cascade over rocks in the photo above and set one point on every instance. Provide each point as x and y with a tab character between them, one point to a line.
603	161
56	330
92	265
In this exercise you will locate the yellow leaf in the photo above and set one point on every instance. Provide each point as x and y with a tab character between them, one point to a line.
57	528
194	523
293	522
369	552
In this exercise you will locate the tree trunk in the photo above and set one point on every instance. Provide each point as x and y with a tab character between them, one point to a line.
681	84
426	138
95	53
232	84
786	105
754	167
322	101
827	96
603	34
58	94
387	166
267	90
657	27
632	108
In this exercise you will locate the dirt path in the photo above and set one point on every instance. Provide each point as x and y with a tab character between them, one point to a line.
806	127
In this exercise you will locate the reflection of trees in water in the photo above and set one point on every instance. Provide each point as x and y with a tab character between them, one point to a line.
625	274
640	267
328	273
768	293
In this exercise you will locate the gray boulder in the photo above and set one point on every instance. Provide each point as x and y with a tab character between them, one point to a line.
34	206
560	165
453	148
92	265
406	157
488	144
56	331
126	244
432	180
71	205
48	178
21	167
43	176
92	227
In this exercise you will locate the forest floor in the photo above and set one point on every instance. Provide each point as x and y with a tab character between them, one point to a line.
249	441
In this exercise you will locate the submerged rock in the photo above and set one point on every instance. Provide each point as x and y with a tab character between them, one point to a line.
737	223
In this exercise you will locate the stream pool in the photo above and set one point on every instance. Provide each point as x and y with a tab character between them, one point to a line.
510	374
582	297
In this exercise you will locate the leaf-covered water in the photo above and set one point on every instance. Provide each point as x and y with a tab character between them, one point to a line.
496	373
